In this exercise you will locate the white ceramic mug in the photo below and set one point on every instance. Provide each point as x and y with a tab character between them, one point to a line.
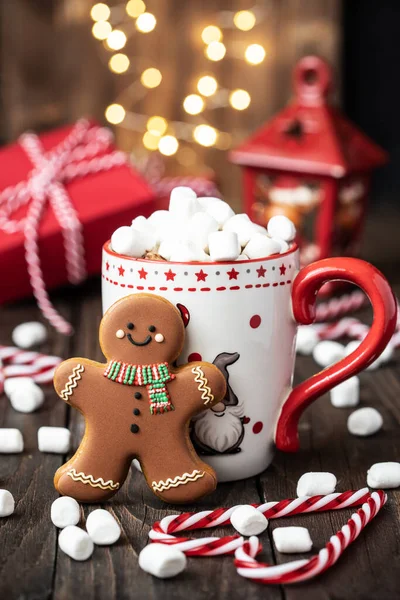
242	316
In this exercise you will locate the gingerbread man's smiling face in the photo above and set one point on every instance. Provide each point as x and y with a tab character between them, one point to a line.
142	329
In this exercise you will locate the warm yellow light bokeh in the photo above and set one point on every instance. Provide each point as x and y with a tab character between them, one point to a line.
211	33
224	141
115	114
207	85
119	63
168	145
244	20
157	125
101	30
215	51
186	156
205	135
239	99
146	22
150	141
193	104
151	78
254	54
100	12
116	40
134	8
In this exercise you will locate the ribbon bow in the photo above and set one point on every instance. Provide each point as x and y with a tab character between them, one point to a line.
81	153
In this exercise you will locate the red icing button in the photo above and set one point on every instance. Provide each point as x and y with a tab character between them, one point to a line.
255	321
257	427
194	356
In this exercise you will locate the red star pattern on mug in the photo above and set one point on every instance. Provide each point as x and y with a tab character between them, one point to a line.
201	276
232	273
121	271
282	269
261	271
142	273
107	266
170	275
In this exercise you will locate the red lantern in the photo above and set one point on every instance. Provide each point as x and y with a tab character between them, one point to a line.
313	165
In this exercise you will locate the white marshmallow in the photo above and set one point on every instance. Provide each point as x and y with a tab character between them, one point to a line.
76	543
244	228
223	245
247	520
314	484
183	204
206	201
54	439
292	539
221	211
29	334
129	242
306	340
281	227
162	561
346	393
328	352
7	503
364	421
187	252
24	394
385	357
65	511
148	238
167	248
160	219
284	245
199	228
384	475
102	527
11	441
141	224
261	246
351	346
387	354
242	257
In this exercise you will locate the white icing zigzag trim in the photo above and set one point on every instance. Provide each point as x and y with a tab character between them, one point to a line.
89	479
203	386
161	486
72	382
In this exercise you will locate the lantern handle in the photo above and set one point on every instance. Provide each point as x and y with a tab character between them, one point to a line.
312	78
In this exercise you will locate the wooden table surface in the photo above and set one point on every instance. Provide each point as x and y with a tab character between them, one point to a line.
33	568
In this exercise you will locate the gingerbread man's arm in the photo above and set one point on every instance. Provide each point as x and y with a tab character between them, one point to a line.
71	375
205	386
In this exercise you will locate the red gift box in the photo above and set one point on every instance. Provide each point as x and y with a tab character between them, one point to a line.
103	201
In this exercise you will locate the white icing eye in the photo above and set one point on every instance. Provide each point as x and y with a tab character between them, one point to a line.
159	337
120	333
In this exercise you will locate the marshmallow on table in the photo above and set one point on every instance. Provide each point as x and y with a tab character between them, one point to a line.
162	561
346	393
281	227
384	475
7	503
11	441
29	334
223	245
199	228
183	203
129	242
24	394
65	511
306	340
76	543
54	439
328	352
364	421
220	211
261	246
385	357
102	527
247	520
292	539
315	484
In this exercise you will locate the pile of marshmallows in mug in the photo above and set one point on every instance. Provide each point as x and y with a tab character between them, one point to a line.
201	230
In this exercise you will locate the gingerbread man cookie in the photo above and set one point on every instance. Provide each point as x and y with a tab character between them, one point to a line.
138	405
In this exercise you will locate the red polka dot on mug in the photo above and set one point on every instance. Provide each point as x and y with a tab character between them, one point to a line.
255	321
257	427
194	356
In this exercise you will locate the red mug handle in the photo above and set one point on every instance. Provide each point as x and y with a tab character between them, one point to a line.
304	294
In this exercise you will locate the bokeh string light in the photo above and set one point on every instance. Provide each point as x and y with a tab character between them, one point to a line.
112	25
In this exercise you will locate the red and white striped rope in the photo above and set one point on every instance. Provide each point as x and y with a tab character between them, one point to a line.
162	531
301	570
21	363
337	307
84	150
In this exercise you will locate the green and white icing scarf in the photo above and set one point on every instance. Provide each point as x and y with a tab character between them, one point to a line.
154	377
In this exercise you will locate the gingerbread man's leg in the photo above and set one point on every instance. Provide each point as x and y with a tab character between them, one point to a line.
175	473
94	474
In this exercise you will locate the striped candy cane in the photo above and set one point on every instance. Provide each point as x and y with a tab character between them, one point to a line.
22	363
301	570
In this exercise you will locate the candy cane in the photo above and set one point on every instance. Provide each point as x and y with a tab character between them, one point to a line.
336	307
162	530
22	363
301	570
